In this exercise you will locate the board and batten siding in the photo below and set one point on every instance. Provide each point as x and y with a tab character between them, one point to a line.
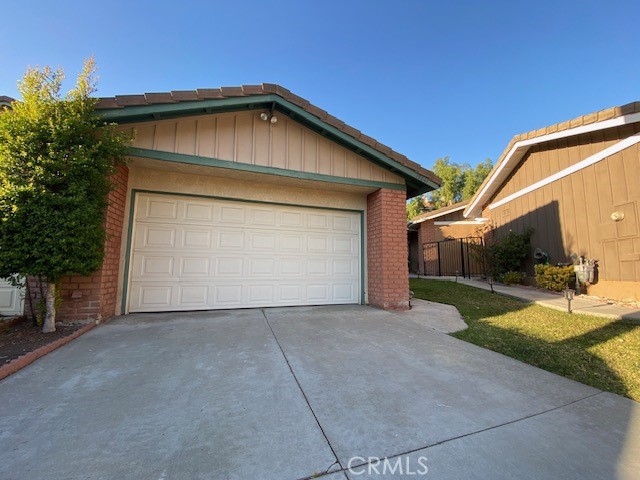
243	137
573	214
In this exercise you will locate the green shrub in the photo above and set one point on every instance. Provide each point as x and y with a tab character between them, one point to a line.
508	253
554	278
512	278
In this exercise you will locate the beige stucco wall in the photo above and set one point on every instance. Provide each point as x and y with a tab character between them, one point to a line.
206	181
243	137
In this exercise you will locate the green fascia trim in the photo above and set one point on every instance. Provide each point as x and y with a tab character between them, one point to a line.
391	164
247	167
135	192
140	113
419	183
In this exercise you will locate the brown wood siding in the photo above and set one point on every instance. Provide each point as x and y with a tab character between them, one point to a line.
456	231
243	137
573	214
451	217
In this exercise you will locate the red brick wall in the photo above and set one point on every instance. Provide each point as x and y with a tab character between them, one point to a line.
388	282
94	297
427	233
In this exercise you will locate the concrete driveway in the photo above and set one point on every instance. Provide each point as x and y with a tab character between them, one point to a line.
302	392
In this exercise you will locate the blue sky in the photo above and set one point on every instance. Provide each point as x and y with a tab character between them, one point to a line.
427	78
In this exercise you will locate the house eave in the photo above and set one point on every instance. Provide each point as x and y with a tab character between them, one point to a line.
416	183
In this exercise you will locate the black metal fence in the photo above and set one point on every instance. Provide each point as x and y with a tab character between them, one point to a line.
456	256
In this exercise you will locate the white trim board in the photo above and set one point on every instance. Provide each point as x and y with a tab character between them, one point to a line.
441	214
522	147
607	152
458	222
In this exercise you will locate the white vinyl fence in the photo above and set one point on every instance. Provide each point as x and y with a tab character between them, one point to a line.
11	299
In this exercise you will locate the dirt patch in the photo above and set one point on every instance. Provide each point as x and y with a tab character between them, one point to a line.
23	337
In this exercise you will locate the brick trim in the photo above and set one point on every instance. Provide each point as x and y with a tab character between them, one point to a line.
387	252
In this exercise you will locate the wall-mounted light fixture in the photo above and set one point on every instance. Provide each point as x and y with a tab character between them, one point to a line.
617	216
270	116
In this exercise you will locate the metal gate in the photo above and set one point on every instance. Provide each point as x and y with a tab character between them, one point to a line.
456	256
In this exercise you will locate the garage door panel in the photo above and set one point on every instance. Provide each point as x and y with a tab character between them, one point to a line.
260	216
227	295
231	215
154	297
191	254
317	266
153	236
194	295
262	241
198	212
196	238
343	291
344	223
291	267
317	244
262	267
344	266
156	266
231	240
316	221
291	293
229	266
318	293
347	245
161	209
291	243
291	219
195	267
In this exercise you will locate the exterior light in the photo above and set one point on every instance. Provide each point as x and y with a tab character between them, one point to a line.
274	119
264	116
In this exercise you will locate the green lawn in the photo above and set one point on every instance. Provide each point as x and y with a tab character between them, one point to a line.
597	351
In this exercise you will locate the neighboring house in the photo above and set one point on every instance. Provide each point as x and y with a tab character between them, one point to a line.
5	101
427	229
248	197
11	299
576	184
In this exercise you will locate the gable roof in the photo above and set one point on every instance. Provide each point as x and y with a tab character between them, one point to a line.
154	106
520	144
440	212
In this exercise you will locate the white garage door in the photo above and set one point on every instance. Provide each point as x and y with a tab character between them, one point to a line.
200	254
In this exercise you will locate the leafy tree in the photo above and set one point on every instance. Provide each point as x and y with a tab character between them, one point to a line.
415	207
56	157
473	178
452	177
459	182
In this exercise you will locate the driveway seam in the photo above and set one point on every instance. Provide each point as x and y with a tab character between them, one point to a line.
304	395
426	447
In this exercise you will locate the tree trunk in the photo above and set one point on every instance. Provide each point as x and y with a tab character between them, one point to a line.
49	324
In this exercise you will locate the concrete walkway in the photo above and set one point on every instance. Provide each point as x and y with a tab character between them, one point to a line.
580	304
343	392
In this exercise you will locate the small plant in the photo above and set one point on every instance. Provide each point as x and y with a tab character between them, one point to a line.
508	253
554	278
512	278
